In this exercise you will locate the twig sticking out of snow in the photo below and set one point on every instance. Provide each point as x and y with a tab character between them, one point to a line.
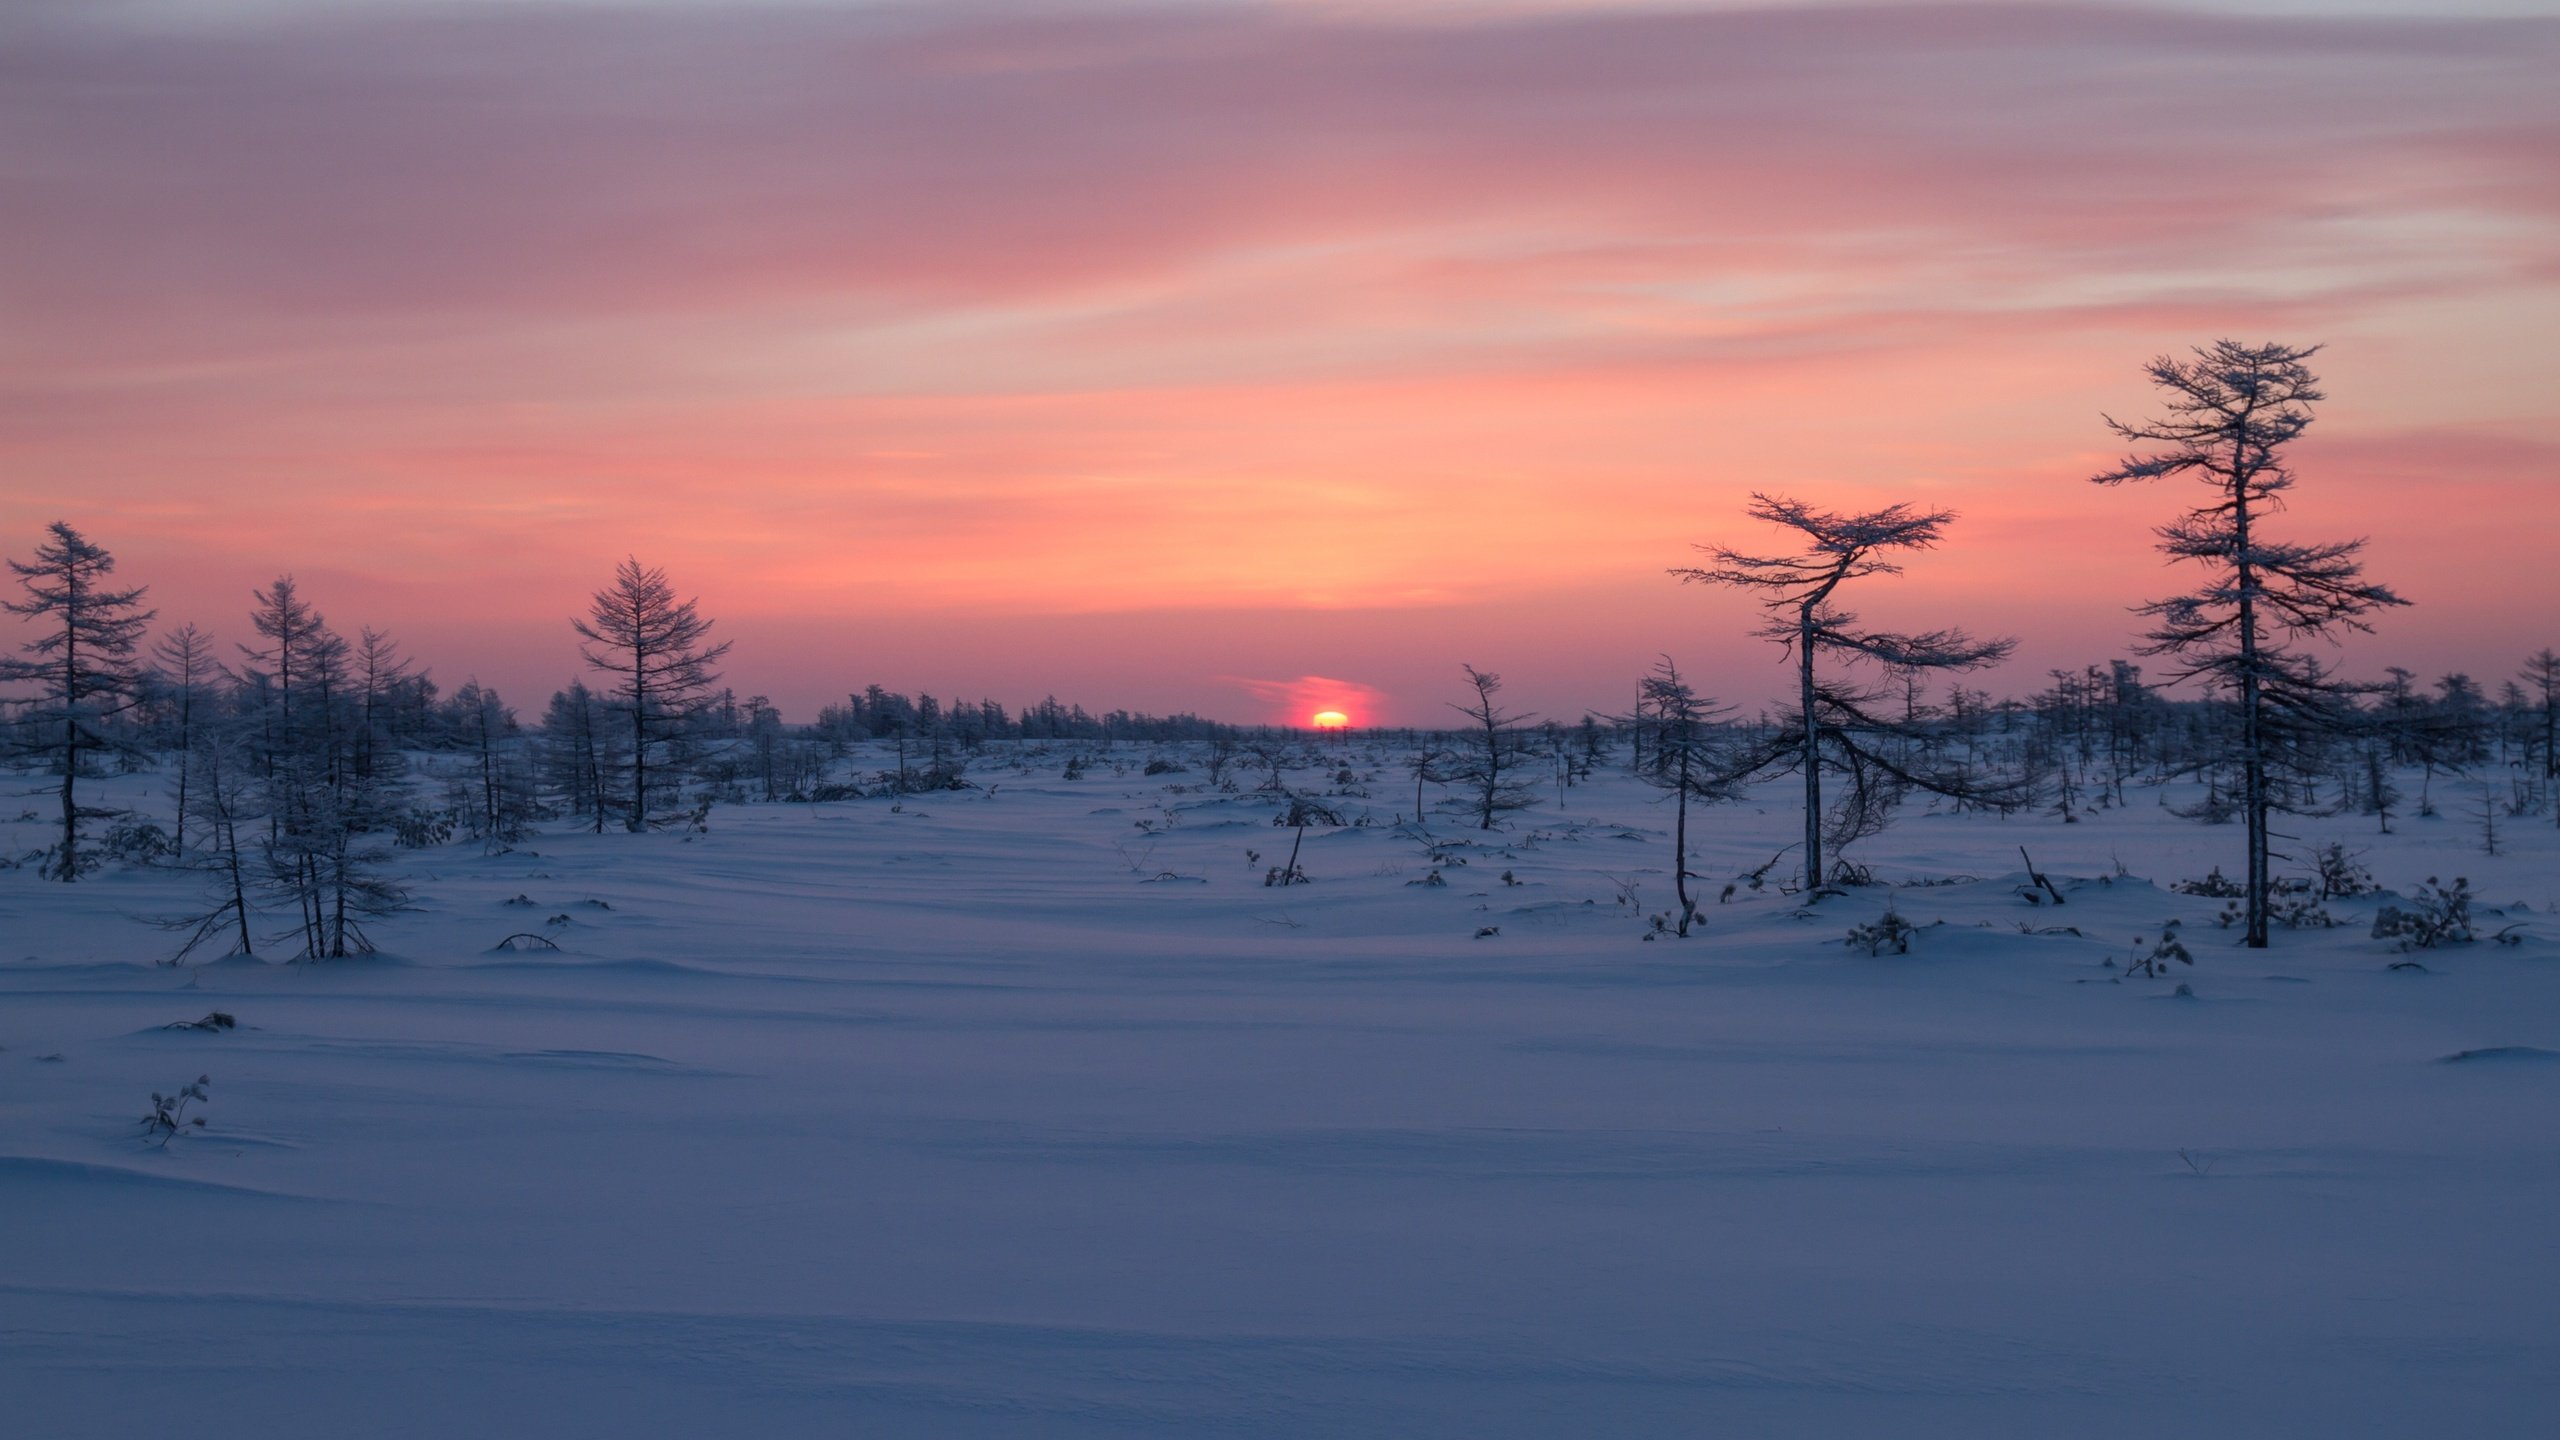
2039	878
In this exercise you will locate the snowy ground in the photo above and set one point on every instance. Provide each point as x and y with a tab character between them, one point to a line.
960	1120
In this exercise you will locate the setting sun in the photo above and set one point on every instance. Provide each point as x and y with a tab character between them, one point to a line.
1331	720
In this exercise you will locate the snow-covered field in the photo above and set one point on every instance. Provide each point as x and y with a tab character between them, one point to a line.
1001	1113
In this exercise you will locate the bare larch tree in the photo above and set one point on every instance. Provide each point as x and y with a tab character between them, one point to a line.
577	750
223	797
1489	761
183	666
2231	410
379	671
2541	675
83	666
1685	757
638	632
1834	716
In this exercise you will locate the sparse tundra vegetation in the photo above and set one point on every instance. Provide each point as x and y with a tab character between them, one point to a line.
2129	1053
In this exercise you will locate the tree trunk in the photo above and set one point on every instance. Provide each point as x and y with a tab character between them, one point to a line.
186	760
639	761
239	884
2253	755
1812	747
338	902
67	868
488	781
1680	840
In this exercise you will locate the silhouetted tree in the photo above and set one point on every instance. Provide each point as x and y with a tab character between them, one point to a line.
83	668
1834	717
328	788
502	809
224	797
1684	756
2541	677
765	737
654	645
286	672
298	676
184	665
379	673
577	751
2230	413
1489	761
1427	768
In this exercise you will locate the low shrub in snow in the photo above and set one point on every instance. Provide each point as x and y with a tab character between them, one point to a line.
169	1114
421	827
2339	875
1889	930
2437	916
2212	886
2153	962
136	842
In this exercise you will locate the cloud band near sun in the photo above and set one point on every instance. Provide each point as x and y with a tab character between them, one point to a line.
1300	701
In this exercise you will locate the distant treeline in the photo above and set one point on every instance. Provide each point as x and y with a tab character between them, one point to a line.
880	714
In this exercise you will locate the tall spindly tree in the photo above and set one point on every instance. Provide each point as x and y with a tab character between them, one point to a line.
1837	716
1491	761
225	796
326	793
2541	677
1681	752
2230	412
653	646
81	663
577	750
182	670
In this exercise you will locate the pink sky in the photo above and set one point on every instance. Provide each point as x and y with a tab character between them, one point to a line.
1186	358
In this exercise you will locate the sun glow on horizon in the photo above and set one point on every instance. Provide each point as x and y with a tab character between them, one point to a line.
1331	720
